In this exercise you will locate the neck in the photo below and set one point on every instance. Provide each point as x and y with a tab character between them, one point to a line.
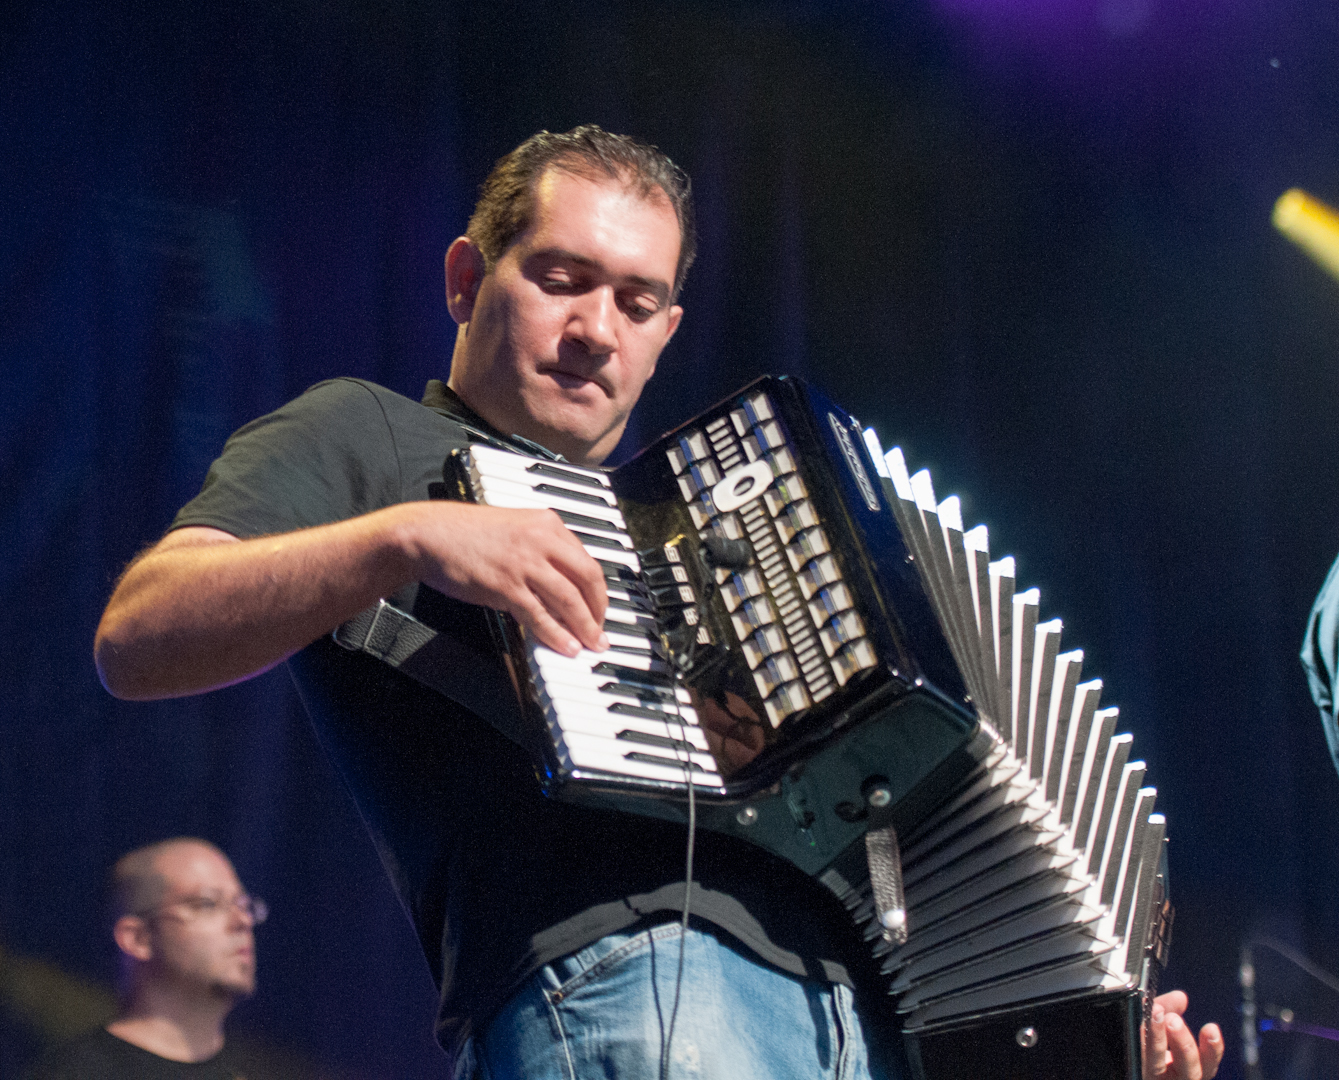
173	1025
579	453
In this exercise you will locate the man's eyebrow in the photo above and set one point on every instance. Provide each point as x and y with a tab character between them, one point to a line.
660	288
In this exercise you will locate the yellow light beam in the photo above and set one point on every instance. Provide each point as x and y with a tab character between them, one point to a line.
1311	225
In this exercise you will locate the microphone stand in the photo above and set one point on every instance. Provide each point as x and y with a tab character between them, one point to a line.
1250	1030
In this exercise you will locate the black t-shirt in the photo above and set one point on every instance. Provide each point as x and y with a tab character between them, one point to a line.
100	1055
498	879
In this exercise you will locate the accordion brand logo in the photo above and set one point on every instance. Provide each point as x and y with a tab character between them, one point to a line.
853	461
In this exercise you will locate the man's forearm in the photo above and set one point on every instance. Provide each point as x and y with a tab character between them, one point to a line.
203	609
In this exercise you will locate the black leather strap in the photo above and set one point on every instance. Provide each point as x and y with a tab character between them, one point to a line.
461	664
386	632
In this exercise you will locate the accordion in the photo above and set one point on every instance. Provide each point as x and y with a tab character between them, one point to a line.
810	653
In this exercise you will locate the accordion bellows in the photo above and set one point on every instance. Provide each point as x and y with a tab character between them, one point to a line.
1041	877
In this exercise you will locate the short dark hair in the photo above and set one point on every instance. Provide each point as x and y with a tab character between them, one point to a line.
134	884
506	198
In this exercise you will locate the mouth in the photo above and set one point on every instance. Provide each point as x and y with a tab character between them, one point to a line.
574	380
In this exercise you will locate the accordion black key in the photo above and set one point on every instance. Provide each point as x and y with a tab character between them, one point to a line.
810	642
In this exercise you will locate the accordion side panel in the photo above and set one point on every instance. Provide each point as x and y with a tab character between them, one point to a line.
1079	1040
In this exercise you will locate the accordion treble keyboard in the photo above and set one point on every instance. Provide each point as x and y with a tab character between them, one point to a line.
619	712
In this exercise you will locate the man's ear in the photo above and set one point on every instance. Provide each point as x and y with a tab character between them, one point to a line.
675	317
132	937
465	269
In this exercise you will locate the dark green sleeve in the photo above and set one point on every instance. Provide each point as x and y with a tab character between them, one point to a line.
326	456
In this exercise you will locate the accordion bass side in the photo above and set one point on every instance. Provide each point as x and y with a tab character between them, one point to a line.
810	645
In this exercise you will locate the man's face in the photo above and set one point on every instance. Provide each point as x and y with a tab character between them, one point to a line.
202	940
561	337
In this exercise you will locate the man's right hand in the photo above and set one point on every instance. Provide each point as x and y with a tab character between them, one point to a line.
203	609
525	562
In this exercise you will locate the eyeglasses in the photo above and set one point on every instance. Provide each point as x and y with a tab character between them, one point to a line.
209	907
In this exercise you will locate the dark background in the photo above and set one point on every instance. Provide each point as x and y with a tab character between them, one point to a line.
1029	240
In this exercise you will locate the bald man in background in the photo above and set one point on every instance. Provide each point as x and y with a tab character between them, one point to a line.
183	927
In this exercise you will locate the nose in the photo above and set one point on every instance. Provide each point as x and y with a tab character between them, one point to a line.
251	910
593	319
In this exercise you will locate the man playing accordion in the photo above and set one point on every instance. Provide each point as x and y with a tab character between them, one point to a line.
551	929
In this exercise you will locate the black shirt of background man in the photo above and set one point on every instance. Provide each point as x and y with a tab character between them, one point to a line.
499	880
100	1055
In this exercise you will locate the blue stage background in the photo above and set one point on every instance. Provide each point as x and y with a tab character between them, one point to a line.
1028	241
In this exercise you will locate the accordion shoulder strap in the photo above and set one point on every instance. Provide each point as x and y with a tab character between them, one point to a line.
457	665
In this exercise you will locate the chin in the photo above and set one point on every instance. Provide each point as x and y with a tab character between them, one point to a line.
236	989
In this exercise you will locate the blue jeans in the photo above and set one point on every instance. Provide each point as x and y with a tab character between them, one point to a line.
604	1012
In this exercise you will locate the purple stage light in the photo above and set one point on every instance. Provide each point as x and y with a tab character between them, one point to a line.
1119	18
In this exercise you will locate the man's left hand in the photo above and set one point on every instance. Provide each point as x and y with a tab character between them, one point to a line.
1171	1051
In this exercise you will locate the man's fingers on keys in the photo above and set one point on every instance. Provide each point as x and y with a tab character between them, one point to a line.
581	569
535	618
569	606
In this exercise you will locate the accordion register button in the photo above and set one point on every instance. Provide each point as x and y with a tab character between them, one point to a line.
843	628
706	474
728	526
857	656
795	518
848	626
751	450
676	459
770	435
688	487
817	573
829	601
785	490
778	669
792	487
758	408
694	446
788	699
805	546
673	595
741	422
764	642
782	461
657	576
740	587
700	515
751	615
